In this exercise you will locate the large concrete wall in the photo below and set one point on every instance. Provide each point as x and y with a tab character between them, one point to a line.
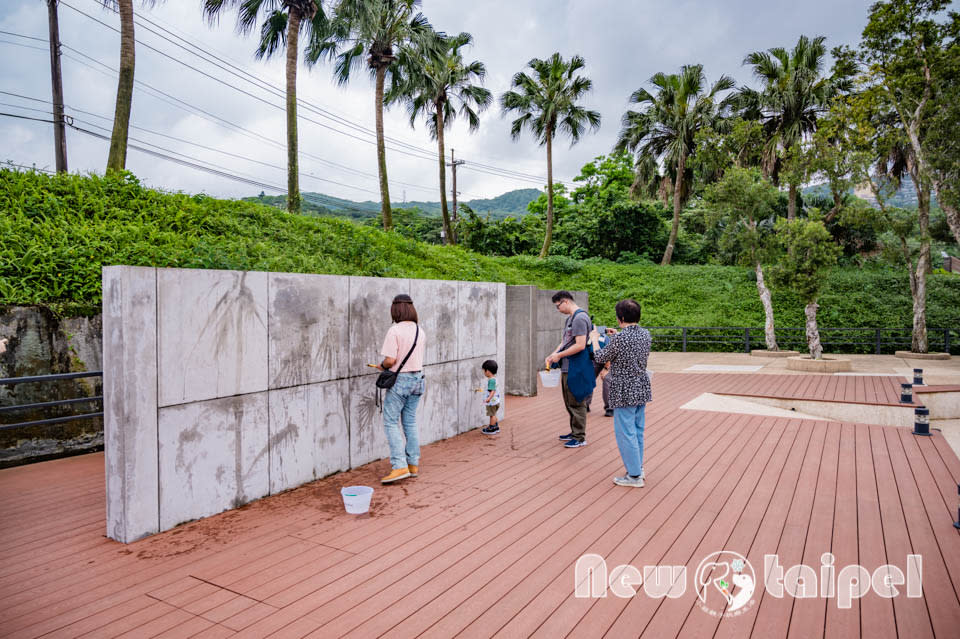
533	331
221	387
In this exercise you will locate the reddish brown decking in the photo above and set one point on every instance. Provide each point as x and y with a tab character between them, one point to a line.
484	542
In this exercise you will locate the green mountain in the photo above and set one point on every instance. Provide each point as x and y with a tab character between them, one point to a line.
513	203
905	197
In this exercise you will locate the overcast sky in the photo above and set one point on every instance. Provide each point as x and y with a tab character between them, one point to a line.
624	42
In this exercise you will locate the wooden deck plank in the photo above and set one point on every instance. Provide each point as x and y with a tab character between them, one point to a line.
485	542
409	611
808	617
911	615
876	615
843	623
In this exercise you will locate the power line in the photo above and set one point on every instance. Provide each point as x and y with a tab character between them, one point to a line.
26	117
411	150
186	106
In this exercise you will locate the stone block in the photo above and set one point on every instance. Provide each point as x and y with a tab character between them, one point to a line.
437	413
520	343
477	320
212	334
309	328
504	365
367	439
370	299
309	433
130	401
436	302
213	457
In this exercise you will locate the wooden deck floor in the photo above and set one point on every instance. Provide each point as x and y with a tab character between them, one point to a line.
485	541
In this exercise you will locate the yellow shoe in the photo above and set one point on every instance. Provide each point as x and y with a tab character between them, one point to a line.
395	475
413	470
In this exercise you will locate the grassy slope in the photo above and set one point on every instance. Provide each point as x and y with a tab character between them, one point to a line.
57	232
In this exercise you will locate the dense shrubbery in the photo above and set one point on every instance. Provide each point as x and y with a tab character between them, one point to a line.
57	232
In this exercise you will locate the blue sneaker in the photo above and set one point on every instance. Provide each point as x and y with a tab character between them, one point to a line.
566	437
574	443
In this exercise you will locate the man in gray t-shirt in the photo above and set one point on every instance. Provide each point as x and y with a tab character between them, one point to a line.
574	339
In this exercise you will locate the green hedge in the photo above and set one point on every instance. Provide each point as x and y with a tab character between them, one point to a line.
58	231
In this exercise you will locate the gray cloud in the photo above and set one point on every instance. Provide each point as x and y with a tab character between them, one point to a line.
623	42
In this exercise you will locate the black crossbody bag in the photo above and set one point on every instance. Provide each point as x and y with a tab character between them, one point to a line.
387	378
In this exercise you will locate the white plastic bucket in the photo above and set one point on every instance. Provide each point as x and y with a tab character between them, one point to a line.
356	499
551	377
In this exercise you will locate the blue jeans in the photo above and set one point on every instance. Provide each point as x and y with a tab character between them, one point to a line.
400	405
628	423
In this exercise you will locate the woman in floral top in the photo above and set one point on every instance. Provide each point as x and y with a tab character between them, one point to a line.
630	390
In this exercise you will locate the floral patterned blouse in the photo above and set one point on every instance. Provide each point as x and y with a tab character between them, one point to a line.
627	352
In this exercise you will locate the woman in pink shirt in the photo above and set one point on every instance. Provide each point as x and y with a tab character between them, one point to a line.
404	339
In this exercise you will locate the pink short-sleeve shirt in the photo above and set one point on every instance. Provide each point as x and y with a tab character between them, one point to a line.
397	344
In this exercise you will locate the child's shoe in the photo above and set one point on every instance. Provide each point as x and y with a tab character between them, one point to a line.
491	430
414	470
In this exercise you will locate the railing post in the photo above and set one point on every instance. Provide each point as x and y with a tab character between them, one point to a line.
684	339
746	340
946	340
878	341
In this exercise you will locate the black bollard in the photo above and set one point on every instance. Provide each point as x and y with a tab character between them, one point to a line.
921	421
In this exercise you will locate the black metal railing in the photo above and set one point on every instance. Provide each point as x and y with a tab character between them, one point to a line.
10	381
877	341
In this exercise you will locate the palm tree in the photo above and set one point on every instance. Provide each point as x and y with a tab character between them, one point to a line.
547	105
794	95
666	126
283	21
377	29
435	82
117	156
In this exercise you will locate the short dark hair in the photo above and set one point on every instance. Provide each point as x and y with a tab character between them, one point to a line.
490	365
628	311
402	309
562	295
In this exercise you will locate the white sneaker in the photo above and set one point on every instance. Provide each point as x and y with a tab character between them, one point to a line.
627	480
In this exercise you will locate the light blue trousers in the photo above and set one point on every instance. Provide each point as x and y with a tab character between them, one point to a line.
628	423
400	407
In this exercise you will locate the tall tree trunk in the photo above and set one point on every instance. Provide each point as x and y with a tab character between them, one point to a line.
792	202
837	203
813	333
677	192
549	235
768	332
117	158
293	161
919	342
950	210
447	226
382	153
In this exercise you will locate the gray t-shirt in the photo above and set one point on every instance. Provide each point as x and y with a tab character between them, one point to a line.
578	324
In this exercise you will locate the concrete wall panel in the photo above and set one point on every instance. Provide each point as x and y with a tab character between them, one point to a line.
477	319
367	439
309	324
309	436
370	299
130	401
212	328
213	456
437	414
436	302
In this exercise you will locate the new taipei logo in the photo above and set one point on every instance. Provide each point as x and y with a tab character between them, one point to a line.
727	585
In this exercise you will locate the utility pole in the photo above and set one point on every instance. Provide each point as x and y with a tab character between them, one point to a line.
56	79
454	163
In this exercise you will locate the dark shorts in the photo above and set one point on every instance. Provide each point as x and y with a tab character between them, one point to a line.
492	410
